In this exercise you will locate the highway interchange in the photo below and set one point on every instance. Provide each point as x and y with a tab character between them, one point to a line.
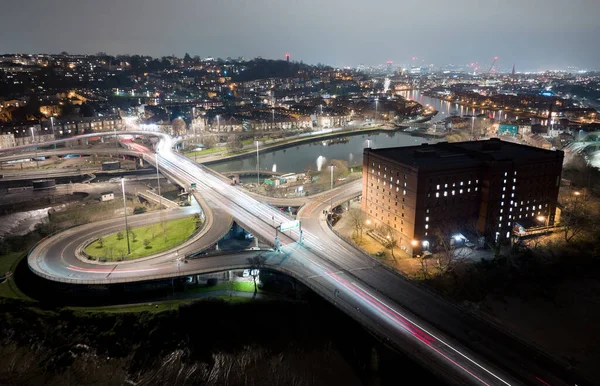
457	346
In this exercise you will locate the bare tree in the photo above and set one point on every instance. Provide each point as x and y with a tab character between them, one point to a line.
234	143
391	237
179	126
209	140
424	268
574	217
340	169
256	263
445	245
357	220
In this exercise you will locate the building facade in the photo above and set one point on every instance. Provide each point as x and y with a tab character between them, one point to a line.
7	140
483	187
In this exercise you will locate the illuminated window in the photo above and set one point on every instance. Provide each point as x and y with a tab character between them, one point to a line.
427	218
438	187
437	194
461	191
426	226
445	185
505	174
461	183
445	194
453	192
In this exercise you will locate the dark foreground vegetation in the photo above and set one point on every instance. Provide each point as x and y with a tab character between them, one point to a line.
210	341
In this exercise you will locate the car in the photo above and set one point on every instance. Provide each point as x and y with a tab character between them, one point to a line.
246	273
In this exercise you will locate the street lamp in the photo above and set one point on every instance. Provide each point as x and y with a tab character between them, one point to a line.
273	120
472	126
194	124
376	107
542	219
257	170
158	181
125	211
218	122
52	126
331	194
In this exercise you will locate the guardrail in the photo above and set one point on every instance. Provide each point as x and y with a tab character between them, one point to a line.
497	327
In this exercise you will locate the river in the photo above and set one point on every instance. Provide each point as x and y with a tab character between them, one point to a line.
447	109
318	154
21	223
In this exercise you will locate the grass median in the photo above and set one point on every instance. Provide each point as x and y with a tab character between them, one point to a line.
144	241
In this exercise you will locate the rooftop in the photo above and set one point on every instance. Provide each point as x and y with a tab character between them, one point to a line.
464	154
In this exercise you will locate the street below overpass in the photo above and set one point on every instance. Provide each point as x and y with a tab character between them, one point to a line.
450	342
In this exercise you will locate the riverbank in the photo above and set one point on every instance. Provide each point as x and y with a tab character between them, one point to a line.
276	144
521	112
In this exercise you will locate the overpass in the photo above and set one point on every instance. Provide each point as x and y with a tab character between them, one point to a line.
403	314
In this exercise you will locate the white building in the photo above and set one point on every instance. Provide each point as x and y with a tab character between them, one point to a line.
107	196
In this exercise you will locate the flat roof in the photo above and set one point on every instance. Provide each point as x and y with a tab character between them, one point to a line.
444	155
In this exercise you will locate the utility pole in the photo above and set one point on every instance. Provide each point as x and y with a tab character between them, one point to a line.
125	208
257	170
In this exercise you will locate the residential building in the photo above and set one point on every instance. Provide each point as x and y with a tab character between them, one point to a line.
425	192
7	140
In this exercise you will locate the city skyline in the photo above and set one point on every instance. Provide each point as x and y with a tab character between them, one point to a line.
535	36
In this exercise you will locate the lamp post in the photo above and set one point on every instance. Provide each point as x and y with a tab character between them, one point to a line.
52	126
158	181
125	211
273	120
194	124
218	122
257	170
116	141
331	194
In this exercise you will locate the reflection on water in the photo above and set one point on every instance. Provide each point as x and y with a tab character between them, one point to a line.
447	109
317	155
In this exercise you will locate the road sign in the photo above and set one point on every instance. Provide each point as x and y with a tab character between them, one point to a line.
193	185
289	225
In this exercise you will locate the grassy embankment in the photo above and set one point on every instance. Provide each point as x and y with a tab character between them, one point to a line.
144	241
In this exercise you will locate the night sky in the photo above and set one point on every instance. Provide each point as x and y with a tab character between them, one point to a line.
533	34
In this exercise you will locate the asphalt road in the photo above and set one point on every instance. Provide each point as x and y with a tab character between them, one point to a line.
400	312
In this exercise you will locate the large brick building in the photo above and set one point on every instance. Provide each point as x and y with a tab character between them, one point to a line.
428	191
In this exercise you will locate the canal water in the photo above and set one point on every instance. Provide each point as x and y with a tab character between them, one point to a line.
317	155
447	109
